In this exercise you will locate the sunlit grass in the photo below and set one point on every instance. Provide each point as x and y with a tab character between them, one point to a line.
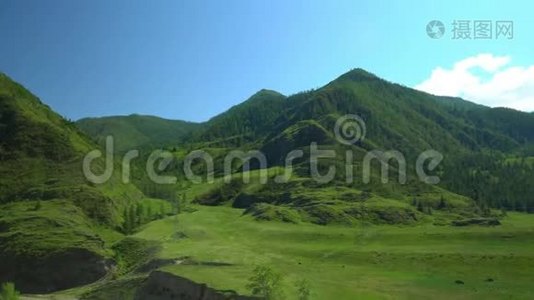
368	261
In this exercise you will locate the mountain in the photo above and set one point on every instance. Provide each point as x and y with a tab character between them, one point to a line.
468	135
397	116
137	131
58	230
473	139
54	225
245	122
240	124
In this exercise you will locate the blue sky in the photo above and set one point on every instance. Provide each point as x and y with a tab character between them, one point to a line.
194	59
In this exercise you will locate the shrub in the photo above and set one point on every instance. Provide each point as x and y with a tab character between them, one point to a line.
266	283
9	292
303	289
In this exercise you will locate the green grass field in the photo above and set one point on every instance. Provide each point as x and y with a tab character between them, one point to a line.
367	261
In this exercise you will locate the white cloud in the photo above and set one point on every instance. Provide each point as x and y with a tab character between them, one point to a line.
485	79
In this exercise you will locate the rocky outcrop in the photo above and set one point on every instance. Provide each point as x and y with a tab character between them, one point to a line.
165	286
477	221
56	271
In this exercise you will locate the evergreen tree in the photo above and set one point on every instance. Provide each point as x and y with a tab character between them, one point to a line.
139	214
420	207
126	225
8	292
442	204
37	205
149	212
132	217
162	210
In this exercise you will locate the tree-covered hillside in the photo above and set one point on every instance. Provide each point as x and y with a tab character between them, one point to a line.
52	216
54	225
396	118
136	131
244	123
403	119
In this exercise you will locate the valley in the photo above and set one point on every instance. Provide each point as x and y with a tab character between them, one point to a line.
266	150
220	246
387	233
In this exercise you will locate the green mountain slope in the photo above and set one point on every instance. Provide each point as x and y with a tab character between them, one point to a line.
57	230
241	124
136	131
54	226
396	118
402	119
244	123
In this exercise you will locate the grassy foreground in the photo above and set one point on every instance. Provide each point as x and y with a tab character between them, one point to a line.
367	261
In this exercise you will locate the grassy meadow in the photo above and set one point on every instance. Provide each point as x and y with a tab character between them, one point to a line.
220	246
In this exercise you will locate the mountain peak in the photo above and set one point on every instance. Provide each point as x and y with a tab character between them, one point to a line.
266	92
263	95
358	74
